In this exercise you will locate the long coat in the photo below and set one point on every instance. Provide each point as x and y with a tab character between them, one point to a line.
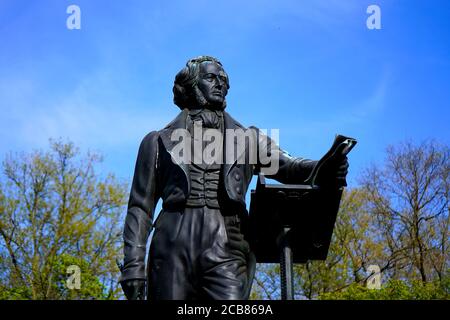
158	176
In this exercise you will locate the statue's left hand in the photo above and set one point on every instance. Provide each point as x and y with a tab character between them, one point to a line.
334	173
341	172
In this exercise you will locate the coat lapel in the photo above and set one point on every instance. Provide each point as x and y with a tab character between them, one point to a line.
178	123
231	124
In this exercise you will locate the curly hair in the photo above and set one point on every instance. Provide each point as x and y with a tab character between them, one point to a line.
185	90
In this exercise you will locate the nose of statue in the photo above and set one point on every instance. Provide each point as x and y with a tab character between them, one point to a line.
219	84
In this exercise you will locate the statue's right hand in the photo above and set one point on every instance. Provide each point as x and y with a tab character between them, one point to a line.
134	289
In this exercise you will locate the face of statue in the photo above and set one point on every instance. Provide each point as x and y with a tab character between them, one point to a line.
212	83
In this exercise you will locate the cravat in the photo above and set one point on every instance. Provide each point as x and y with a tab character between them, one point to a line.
209	118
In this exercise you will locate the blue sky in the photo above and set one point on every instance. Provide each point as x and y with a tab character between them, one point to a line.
309	68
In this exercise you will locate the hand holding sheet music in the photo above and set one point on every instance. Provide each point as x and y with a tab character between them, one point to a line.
331	169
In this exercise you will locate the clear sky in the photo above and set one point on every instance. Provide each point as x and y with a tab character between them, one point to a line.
309	68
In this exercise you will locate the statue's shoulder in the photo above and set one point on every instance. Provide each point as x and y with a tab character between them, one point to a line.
150	141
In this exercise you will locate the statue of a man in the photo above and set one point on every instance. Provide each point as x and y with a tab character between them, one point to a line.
199	249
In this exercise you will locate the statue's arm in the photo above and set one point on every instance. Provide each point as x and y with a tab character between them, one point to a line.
141	206
283	167
293	170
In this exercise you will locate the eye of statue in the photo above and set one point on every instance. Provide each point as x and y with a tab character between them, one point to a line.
209	76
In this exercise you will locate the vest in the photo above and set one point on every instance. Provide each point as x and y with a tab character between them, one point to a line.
204	177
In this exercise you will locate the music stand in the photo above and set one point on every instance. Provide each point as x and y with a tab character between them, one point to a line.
291	224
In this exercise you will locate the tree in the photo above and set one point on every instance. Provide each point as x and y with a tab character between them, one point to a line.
394	290
56	211
409	195
266	284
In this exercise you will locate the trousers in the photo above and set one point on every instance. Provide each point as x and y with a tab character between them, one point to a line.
198	254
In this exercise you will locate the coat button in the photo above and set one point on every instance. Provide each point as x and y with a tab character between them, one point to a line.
238	189
237	177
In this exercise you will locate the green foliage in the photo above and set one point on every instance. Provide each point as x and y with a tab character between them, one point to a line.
393	290
56	211
90	285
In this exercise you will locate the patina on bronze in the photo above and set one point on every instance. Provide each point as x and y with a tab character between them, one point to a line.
200	248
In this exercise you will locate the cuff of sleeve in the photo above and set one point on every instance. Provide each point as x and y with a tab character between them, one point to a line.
132	274
134	263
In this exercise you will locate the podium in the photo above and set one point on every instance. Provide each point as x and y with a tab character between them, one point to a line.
294	223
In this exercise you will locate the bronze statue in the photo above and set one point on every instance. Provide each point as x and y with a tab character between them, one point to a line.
199	248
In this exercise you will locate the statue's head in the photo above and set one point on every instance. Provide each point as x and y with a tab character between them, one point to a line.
201	84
